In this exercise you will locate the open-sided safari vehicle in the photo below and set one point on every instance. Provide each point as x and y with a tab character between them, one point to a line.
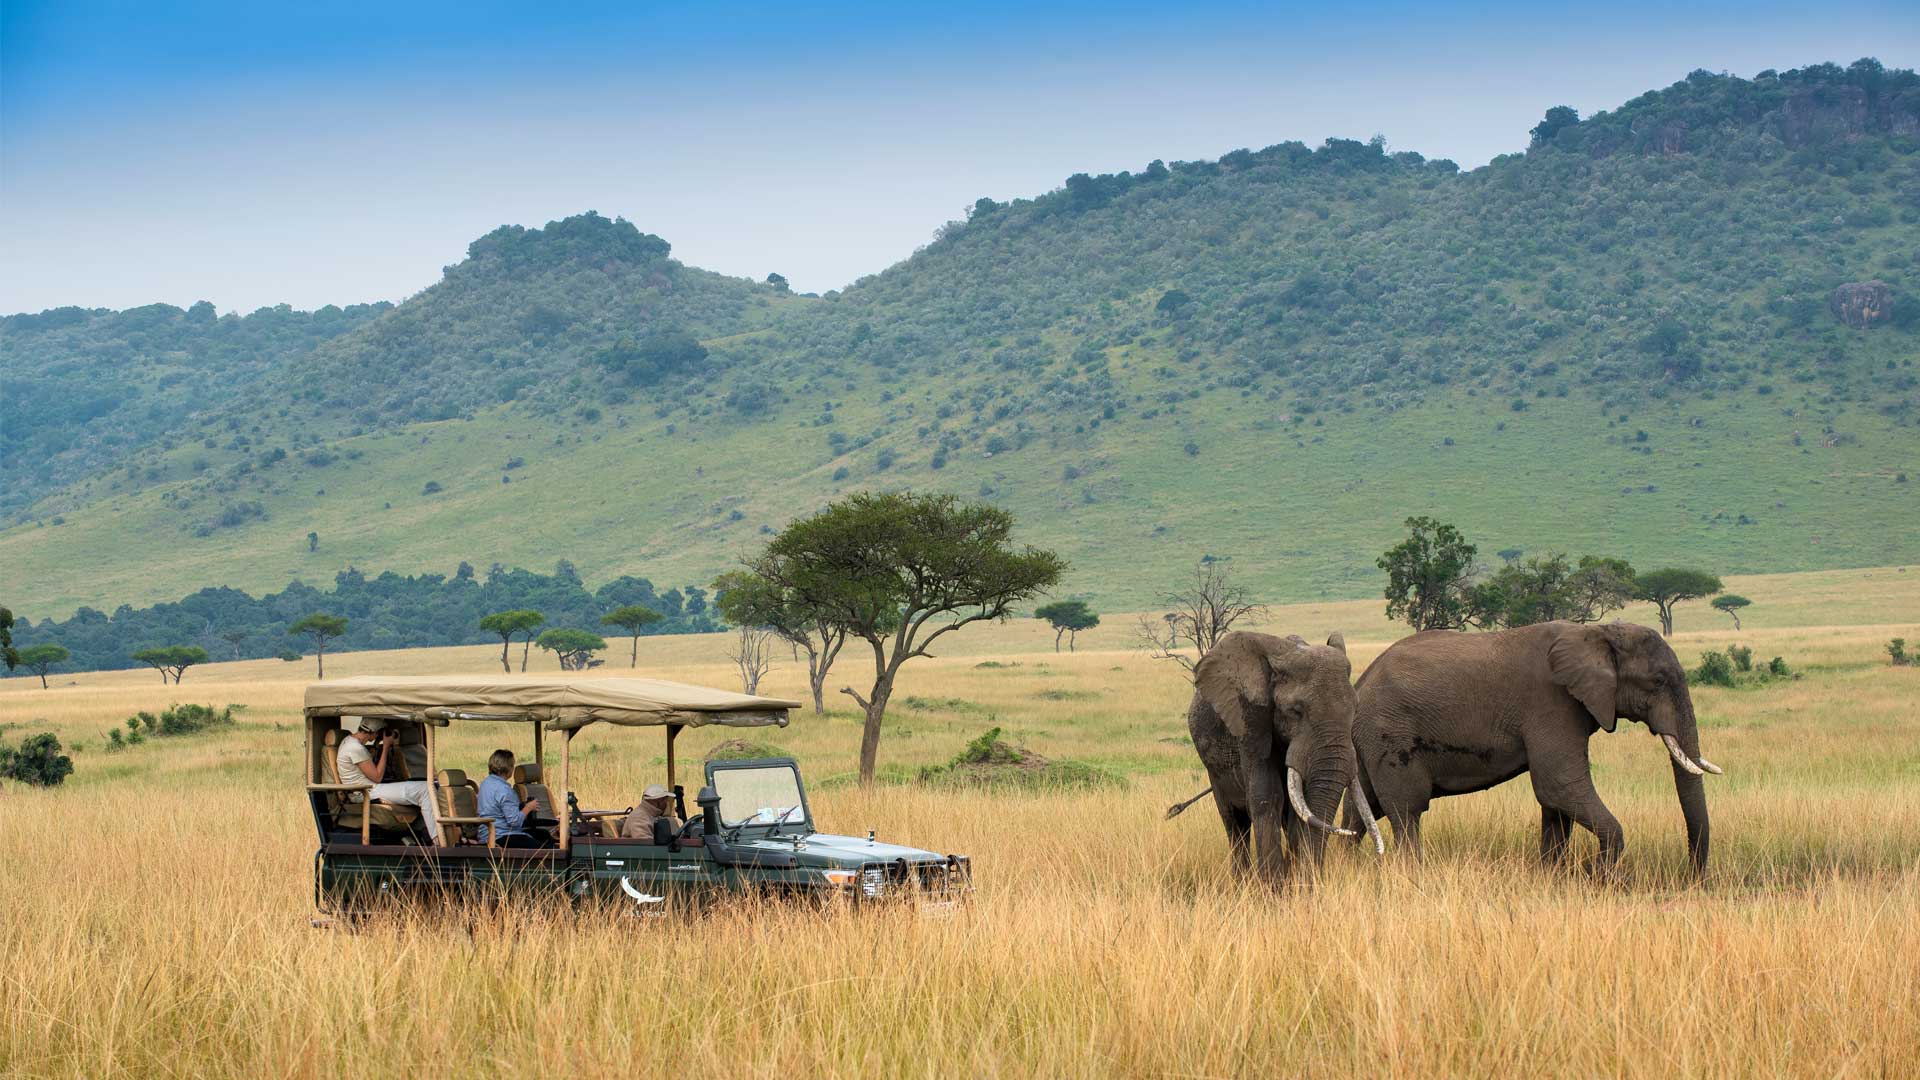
751	830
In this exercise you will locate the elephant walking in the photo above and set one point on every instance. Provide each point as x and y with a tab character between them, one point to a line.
1446	713
1272	721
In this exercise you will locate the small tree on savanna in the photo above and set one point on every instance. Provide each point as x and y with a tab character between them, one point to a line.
320	629
233	638
633	618
899	570
1665	588
752	654
747	599
1729	604
507	624
172	661
1428	576
1199	614
1067	617
573	648
41	659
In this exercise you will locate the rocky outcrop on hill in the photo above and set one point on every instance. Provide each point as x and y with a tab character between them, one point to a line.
1860	304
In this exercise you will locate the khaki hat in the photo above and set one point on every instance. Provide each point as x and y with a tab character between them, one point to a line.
372	723
655	791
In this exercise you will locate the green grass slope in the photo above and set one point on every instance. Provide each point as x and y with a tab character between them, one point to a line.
1623	341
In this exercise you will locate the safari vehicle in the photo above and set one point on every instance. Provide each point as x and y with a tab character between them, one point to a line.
752	830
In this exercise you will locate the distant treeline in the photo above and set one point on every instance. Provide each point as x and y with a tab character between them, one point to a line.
388	611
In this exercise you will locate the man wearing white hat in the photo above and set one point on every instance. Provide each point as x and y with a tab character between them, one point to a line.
655	803
359	768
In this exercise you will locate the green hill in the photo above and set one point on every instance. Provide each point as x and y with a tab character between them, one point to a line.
1684	330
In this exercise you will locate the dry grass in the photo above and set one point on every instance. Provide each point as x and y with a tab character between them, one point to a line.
153	911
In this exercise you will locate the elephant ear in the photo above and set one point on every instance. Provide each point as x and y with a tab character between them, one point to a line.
1338	640
1582	661
1233	678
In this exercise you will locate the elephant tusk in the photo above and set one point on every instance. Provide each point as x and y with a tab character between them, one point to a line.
1679	758
1366	815
1710	766
1299	800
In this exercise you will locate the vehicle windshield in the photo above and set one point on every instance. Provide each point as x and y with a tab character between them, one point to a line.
760	796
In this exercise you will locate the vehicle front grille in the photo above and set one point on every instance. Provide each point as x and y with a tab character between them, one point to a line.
931	878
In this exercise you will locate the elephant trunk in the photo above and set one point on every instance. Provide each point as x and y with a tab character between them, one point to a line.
1317	797
1689	783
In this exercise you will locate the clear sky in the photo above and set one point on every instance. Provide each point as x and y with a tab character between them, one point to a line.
253	154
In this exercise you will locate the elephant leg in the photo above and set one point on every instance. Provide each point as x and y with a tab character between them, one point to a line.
1302	851
1563	781
1406	831
1239	827
1265	805
1555	826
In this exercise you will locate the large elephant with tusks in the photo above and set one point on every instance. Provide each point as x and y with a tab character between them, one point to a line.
1272	721
1446	713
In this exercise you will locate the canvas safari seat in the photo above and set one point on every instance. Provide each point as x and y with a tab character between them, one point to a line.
459	807
352	809
527	785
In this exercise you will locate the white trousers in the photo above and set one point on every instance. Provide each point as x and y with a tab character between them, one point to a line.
410	793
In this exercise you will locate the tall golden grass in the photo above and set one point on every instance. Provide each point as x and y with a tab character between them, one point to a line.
154	911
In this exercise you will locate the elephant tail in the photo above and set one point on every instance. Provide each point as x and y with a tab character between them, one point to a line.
1179	808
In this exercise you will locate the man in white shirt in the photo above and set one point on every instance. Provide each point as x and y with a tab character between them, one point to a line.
360	768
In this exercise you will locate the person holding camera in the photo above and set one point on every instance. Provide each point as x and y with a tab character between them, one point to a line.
360	768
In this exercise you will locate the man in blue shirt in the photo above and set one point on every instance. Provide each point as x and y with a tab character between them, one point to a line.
509	814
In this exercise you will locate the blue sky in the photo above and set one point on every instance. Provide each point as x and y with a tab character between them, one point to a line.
252	154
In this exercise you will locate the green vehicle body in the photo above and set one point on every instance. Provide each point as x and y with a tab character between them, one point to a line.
722	852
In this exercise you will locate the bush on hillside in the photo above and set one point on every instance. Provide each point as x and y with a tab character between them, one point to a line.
992	761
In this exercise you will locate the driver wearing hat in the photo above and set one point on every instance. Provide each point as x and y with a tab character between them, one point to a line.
360	768
655	803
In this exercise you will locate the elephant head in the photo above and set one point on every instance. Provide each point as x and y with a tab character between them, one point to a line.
1622	669
1290	702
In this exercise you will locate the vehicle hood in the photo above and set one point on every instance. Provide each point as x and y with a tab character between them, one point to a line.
828	847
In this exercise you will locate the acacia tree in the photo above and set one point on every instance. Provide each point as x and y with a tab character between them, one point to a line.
752	654
747	599
1067	617
573	648
1547	588
632	618
40	659
233	638
508	623
1729	604
320	629
899	570
1201	613
1665	588
172	660
1428	575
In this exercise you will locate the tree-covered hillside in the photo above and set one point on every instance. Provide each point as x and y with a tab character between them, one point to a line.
1700	309
83	390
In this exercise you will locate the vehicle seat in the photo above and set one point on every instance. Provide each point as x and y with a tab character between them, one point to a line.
352	811
527	785
459	807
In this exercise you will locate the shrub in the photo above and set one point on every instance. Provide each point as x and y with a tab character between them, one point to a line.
1714	670
1742	658
37	761
1777	666
746	750
992	761
1897	652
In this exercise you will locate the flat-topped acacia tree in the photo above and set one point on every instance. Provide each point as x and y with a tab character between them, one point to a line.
633	618
172	660
320	628
897	571
522	621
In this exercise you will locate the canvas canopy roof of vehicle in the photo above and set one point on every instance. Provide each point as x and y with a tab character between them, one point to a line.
562	703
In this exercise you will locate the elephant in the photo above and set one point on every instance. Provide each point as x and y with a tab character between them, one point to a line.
1448	713
1272	719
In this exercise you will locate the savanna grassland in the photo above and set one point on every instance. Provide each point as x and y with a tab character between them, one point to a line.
154	910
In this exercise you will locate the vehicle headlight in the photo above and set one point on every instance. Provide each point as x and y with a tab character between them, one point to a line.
873	881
